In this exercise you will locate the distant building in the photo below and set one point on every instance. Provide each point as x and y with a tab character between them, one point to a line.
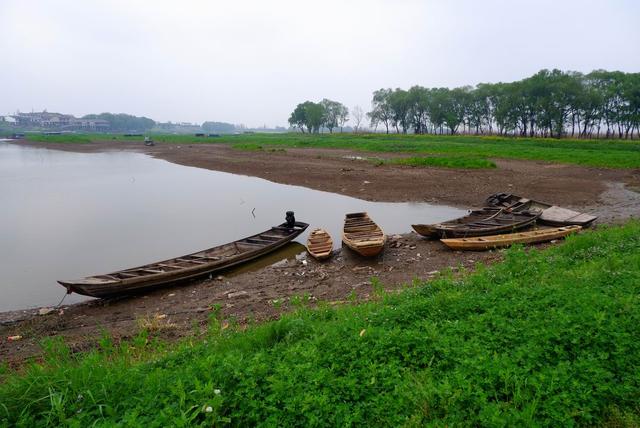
58	121
90	124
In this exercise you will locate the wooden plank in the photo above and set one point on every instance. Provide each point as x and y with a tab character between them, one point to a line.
200	262
128	275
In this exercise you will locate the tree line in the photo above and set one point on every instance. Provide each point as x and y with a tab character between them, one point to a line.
548	104
124	122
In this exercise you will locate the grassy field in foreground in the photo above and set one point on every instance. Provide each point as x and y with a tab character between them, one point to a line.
599	153
545	338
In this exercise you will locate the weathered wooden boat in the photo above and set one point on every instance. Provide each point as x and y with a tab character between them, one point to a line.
496	241
320	244
154	275
363	235
481	222
552	215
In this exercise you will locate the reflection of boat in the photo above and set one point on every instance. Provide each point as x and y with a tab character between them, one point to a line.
485	221
320	244
154	275
551	214
362	235
496	241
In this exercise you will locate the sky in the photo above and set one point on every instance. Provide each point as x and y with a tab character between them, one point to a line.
252	61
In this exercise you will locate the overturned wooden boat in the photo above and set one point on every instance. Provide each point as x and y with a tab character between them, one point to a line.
551	214
496	241
320	244
362	235
481	222
155	275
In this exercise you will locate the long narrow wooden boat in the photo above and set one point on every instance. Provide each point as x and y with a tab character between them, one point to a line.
552	215
496	241
154	275
481	222
320	244
362	235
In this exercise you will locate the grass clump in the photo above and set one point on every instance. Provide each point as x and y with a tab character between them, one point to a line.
445	162
545	338
63	138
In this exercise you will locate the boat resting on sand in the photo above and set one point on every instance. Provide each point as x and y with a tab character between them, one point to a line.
362	235
496	241
481	222
319	244
551	214
155	275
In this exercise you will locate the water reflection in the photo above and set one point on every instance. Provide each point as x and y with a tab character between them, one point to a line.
68	215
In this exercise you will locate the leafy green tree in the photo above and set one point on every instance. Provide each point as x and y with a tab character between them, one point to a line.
335	114
298	118
400	109
381	111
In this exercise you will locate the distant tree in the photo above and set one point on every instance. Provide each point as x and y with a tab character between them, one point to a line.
343	116
315	114
124	122
358	116
335	114
308	115
400	108
219	127
298	118
381	110
418	105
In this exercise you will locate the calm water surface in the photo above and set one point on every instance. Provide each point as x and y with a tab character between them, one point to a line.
68	215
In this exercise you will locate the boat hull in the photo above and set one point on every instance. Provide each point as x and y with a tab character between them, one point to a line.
320	244
552	215
97	286
499	241
363	235
483	222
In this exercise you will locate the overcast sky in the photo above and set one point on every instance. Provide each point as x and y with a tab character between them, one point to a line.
251	62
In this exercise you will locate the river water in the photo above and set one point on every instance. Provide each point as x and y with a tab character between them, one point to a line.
67	215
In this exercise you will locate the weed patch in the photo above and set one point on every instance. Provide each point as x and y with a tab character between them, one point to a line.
445	162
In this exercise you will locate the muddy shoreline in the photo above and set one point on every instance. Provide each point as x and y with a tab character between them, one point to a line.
265	293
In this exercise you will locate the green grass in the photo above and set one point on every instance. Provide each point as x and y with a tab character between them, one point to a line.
64	138
545	338
445	162
597	153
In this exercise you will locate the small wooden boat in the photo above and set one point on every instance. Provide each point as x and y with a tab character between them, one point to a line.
362	235
551	214
496	241
320	244
481	222
154	275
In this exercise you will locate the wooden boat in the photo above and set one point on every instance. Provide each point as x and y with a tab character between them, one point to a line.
320	244
154	275
481	222
496	241
362	235
551	214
